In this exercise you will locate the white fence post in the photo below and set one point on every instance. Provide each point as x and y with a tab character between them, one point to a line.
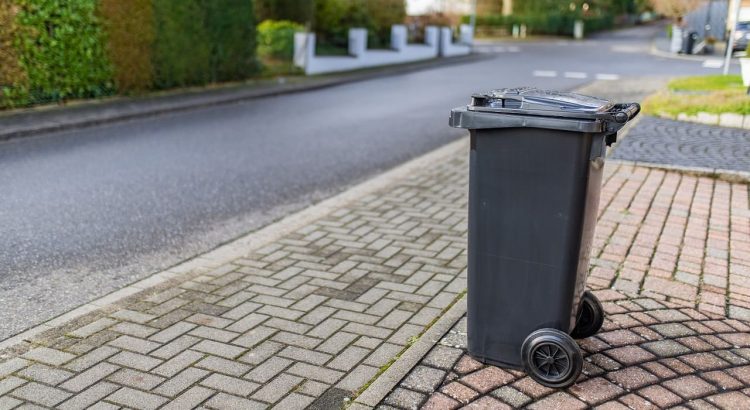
431	36
357	41
304	49
466	34
398	37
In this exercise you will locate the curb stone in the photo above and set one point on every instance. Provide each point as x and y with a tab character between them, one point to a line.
241	246
385	382
39	120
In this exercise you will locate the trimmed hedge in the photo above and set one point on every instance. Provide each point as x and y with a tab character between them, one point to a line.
298	11
54	50
12	74
276	39
60	47
230	29
128	25
553	23
181	49
333	18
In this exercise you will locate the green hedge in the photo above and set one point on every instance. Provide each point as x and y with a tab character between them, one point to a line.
276	39
553	23
333	18
61	49
55	50
129	28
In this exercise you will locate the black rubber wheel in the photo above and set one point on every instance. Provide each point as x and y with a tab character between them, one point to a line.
552	358
590	317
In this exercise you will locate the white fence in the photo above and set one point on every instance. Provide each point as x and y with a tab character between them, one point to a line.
438	42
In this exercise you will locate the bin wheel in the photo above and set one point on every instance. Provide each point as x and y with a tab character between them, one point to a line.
552	358
590	317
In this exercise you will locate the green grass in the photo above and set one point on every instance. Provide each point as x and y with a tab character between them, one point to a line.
713	94
707	83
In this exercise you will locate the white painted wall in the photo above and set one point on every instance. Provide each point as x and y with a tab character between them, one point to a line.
360	57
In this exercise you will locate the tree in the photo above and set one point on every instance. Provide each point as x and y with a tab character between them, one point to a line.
674	8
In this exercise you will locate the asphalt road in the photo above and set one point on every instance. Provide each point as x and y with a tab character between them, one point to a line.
85	212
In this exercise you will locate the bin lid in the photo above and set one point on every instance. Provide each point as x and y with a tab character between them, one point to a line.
535	100
537	108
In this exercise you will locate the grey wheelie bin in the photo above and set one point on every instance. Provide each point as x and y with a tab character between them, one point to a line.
535	177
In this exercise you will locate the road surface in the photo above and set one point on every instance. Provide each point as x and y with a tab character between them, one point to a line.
87	211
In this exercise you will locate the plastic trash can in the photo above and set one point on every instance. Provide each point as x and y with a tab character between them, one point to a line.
535	177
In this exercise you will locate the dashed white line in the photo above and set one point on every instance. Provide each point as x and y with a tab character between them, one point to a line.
607	77
545	73
575	74
713	63
514	49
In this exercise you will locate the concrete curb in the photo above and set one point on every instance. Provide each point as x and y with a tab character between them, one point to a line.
242	246
722	174
45	119
385	383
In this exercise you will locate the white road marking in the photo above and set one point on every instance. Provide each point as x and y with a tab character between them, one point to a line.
545	73
713	63
514	49
498	49
575	74
608	77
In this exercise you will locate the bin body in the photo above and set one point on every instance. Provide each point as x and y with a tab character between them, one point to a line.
536	168
533	198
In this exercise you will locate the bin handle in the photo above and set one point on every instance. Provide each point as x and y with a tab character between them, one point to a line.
626	112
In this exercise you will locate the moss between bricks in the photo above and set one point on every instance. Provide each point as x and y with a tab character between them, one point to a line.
410	342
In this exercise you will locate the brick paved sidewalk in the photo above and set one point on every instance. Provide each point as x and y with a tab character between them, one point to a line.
305	321
677	250
649	355
310	319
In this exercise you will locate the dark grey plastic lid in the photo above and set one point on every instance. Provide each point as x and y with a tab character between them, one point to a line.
535	99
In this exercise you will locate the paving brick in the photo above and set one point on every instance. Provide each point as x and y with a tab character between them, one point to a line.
88	397
135	379
40	394
7	402
175	347
172	332
223	401
231	385
487	379
132	316
254	336
630	355
134	344
348	358
315	373
136	399
268	370
405	399
689	387
632	378
177	384
596	390
93	327
277	388
666	348
558	400
247	322
511	396
730	400
459	393
9	383
357	378
220	365
45	374
91	358
660	396
89	377
48	356
261	352
336	342
190	399
294	401
178	363
224	350
305	355
135	360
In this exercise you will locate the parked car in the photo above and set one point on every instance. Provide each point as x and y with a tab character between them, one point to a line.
741	36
